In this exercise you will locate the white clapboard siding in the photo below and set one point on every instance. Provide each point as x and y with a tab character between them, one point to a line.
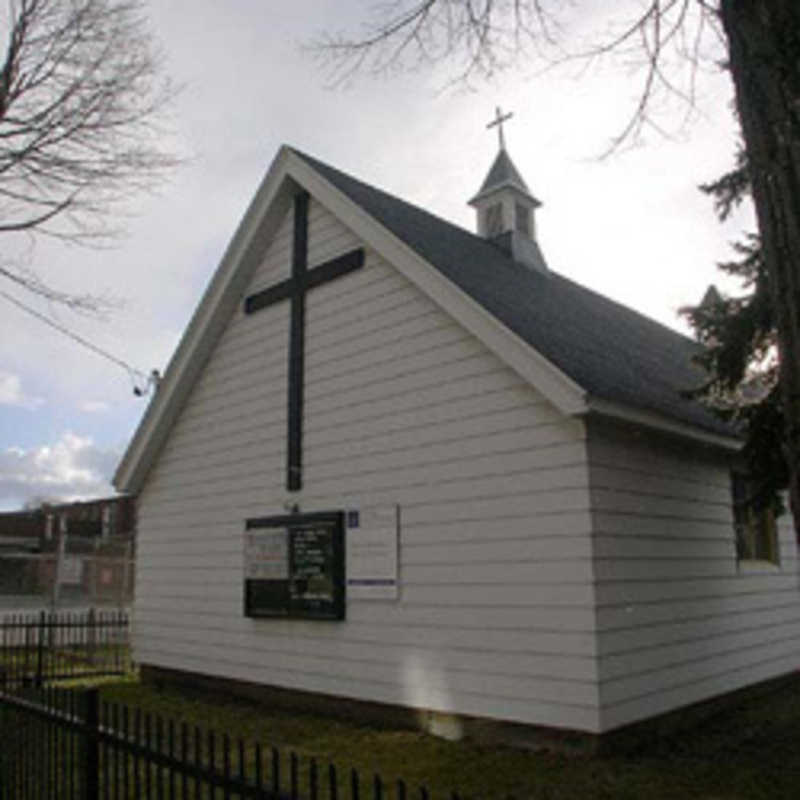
440	621
678	619
495	615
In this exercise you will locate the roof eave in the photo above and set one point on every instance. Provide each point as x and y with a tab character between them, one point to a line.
499	187
664	424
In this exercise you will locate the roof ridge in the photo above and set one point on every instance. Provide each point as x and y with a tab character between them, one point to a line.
479	240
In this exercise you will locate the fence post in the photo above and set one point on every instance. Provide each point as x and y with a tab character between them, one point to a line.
5	787
91	749
39	680
127	576
59	565
91	636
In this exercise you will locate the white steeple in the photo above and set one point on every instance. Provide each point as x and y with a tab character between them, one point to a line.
505	207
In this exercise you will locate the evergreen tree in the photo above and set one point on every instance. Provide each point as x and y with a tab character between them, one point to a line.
740	340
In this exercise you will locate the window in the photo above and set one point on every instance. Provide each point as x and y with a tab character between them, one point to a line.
494	220
523	219
756	531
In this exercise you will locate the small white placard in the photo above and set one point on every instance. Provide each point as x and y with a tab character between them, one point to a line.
71	570
372	555
266	554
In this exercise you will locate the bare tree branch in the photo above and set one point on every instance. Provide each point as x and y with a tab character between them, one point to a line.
80	96
93	305
482	37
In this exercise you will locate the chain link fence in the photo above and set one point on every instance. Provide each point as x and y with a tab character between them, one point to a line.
72	572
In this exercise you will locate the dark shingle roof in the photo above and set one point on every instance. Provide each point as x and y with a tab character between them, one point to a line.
613	352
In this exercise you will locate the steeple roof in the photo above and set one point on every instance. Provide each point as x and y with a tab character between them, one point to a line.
503	174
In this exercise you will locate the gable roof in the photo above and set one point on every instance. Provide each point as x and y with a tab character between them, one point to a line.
582	351
612	352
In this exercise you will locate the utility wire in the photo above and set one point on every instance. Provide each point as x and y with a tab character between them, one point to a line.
136	376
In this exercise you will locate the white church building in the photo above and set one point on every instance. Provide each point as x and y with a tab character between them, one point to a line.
396	462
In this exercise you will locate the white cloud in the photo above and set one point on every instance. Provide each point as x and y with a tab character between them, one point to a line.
11	393
94	406
72	468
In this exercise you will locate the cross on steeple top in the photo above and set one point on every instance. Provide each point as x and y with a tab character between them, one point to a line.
497	122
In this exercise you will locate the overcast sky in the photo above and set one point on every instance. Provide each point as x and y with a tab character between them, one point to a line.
633	226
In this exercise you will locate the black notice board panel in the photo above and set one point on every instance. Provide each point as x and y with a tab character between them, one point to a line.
294	566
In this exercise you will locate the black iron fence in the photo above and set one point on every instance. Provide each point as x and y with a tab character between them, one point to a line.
67	745
36	649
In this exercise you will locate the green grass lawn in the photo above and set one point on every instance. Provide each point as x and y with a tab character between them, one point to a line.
751	751
76	660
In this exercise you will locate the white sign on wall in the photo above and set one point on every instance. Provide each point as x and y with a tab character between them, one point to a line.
372	545
71	570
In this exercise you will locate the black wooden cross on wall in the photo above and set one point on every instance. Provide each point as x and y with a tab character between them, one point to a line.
294	289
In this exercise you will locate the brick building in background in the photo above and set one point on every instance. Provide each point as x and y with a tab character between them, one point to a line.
104	517
69	553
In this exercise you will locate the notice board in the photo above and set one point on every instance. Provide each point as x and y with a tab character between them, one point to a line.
372	553
294	566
